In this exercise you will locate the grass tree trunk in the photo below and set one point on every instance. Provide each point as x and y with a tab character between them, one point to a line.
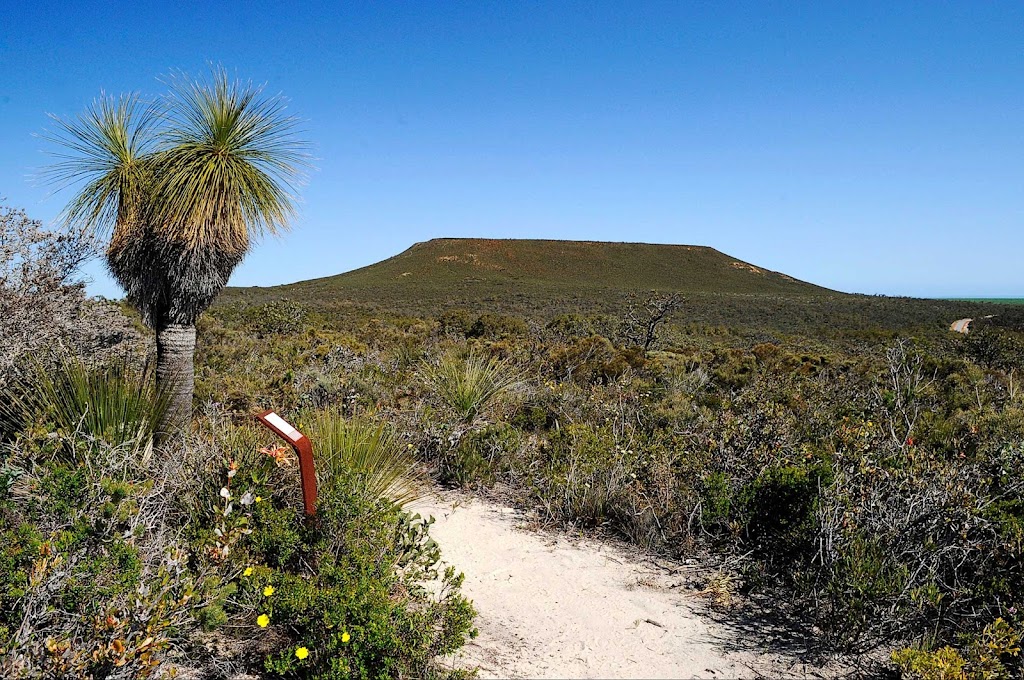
175	378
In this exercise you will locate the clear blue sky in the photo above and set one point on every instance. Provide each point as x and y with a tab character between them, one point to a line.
868	147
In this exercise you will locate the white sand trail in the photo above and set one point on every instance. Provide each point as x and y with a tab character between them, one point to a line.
550	607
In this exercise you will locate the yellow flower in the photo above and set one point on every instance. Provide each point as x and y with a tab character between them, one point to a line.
247	572
263	621
302	652
259	498
268	591
345	637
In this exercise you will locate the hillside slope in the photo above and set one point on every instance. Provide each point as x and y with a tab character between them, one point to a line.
540	279
468	270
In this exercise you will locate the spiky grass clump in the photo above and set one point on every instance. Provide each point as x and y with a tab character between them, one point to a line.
108	150
116	403
365	450
468	383
227	166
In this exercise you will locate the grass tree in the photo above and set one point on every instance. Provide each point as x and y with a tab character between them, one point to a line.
179	189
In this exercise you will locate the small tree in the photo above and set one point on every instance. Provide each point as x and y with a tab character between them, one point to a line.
181	188
642	319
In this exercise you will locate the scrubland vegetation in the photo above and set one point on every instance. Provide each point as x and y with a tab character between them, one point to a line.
119	564
862	481
135	539
865	485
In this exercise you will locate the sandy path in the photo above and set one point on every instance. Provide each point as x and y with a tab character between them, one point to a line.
550	607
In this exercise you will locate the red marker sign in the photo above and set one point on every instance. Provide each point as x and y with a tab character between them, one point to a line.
303	448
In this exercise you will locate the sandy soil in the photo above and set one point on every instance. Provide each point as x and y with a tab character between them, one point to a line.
551	607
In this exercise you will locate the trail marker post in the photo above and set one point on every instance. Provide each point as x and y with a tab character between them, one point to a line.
303	449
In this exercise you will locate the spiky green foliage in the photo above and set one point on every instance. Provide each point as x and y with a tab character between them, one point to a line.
116	403
227	164
468	383
108	150
365	450
181	186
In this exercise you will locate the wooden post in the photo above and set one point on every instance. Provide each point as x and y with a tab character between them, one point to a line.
303	449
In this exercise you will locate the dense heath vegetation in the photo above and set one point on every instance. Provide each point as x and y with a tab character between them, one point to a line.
538	281
866	481
115	564
845	461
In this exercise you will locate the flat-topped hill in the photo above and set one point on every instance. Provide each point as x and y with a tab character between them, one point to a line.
542	278
441	268
584	264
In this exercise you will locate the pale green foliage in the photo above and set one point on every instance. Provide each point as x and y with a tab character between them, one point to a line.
468	383
107	147
227	159
366	450
984	659
115	403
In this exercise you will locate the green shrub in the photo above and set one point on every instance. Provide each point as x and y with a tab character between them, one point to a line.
992	655
467	384
860	593
779	509
584	474
716	501
497	327
942	664
455	322
571	326
115	403
362	613
275	318
533	417
594	360
736	370
87	586
19	548
364	450
480	456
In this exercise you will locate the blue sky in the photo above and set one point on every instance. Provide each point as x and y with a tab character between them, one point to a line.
868	147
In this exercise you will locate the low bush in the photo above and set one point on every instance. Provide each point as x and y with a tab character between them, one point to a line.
93	585
275	318
455	322
585	472
779	509
497	327
593	360
362	612
989	655
116	565
467	384
364	452
115	402
481	456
